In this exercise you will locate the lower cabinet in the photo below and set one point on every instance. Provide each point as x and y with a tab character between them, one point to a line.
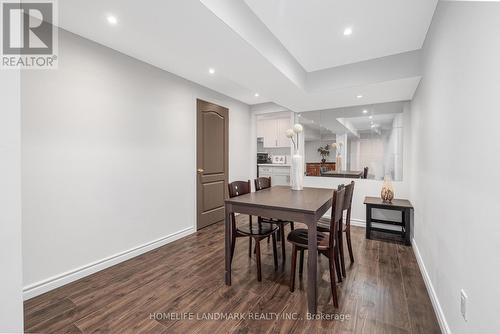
280	175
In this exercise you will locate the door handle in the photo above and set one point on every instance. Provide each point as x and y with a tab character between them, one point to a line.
200	170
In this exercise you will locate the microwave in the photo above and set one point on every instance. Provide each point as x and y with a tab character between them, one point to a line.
263	158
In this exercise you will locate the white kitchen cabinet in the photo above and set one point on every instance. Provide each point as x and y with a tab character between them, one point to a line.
269	132
280	175
282	125
273	131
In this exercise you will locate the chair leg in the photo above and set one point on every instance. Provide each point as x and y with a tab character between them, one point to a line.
292	268
283	244
337	263
292	226
249	247
331	262
257	256
349	246
301	262
275	252
341	250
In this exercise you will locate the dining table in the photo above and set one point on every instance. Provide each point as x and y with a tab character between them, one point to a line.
306	206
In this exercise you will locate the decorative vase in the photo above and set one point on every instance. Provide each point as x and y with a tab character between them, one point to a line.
387	193
297	172
338	163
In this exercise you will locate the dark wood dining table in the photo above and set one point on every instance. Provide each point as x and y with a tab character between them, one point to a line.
280	202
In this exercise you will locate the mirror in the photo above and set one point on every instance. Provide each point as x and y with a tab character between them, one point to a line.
355	142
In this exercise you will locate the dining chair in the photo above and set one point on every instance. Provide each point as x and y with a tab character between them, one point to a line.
365	172
264	183
327	243
323	226
256	232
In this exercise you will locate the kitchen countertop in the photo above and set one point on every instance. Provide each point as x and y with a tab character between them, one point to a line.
275	165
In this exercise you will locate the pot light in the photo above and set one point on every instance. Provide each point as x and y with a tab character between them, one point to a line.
256	95
112	20
347	31
365	111
211	70
359	96
370	117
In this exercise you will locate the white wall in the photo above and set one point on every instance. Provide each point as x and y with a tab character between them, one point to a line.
109	160
456	200
11	303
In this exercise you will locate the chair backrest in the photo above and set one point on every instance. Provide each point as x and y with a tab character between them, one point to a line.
337	209
262	183
238	188
349	190
365	172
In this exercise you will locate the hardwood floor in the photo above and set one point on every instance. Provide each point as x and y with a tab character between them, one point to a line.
383	293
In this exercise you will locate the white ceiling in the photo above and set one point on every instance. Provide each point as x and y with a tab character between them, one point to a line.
187	37
312	30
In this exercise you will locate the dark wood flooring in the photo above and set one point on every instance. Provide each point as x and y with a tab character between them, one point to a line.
383	293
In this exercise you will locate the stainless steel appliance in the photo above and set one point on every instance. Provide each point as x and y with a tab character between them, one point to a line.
263	158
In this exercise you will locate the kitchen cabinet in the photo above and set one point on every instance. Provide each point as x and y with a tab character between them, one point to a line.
273	132
280	175
282	125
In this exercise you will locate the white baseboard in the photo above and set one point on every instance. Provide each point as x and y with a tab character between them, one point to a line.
354	222
443	324
56	281
358	222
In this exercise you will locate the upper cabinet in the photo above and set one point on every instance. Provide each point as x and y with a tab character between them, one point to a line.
273	131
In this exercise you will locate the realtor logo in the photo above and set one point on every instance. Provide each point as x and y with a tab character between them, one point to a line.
29	34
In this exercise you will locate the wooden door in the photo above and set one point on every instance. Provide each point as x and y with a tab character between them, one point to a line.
212	162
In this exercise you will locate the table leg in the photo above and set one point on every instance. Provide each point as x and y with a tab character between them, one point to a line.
368	221
228	232
312	265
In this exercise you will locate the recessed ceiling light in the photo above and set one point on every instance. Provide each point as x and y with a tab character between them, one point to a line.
256	95
359	96
373	125
347	31
365	111
211	71
112	19
370	117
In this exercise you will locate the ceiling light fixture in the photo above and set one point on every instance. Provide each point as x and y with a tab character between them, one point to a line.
256	95
211	71
112	20
365	111
347	31
370	117
359	96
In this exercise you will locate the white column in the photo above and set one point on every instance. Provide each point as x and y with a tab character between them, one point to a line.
11	305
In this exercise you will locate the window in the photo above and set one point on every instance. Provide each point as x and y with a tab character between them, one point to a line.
355	142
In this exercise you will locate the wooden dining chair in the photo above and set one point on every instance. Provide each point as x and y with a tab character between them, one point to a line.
365	172
264	183
256	232
327	243
323	226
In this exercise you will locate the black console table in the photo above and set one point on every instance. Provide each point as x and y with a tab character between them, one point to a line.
402	205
